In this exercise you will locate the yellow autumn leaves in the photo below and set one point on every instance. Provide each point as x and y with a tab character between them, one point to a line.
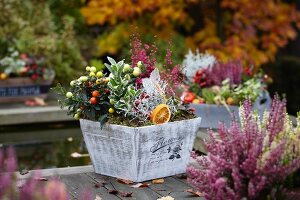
252	30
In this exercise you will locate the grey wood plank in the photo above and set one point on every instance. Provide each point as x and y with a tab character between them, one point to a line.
174	187
137	193
78	178
184	195
145	193
57	171
170	185
76	183
23	115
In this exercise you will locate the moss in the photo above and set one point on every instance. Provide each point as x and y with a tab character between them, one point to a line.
121	120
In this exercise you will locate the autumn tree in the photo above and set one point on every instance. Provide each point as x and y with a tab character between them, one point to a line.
252	30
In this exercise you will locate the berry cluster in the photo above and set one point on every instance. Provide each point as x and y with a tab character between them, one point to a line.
89	94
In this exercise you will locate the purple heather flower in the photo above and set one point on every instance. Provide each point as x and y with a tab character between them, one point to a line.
221	71
239	163
143	53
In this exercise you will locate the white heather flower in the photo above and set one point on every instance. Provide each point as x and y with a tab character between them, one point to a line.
166	198
194	62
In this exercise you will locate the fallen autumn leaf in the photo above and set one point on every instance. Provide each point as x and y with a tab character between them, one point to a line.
158	181
140	185
196	193
127	182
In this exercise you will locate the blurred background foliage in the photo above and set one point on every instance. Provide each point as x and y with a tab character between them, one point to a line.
70	34
251	30
30	26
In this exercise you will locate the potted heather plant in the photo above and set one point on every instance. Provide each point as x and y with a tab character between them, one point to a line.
251	159
215	89
23	77
133	125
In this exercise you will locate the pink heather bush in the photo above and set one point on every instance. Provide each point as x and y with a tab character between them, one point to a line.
221	71
251	159
144	53
31	188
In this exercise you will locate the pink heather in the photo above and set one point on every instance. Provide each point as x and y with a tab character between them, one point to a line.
143	53
147	55
221	71
31	188
172	74
232	168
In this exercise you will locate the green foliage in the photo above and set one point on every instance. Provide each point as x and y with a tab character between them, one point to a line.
228	93
122	91
28	27
208	95
67	8
98	64
78	98
249	89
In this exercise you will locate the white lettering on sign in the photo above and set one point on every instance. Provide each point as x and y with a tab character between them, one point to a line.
19	91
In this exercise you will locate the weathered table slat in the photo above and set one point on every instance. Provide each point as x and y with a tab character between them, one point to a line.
174	187
137	193
77	179
78	182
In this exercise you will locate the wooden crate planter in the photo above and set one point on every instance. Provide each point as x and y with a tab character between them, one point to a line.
142	153
23	88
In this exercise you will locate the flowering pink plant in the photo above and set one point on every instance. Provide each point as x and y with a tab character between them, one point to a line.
31	188
145	54
213	82
220	71
250	159
172	73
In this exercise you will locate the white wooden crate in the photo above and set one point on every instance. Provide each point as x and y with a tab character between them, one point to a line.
142	153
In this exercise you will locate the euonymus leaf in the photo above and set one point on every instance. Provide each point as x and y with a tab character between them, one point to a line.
111	60
108	67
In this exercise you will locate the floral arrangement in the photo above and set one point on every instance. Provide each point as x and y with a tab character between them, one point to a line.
213	82
253	159
22	65
131	94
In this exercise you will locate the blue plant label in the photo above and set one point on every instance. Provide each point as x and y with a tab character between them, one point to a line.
22	91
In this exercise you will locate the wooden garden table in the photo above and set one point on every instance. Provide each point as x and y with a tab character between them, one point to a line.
78	178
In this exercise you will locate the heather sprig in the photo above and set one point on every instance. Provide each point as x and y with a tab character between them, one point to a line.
249	159
172	74
142	53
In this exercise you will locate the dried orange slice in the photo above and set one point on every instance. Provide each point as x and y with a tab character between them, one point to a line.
160	114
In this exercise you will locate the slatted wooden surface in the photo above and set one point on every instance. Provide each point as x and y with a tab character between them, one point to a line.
77	179
173	186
